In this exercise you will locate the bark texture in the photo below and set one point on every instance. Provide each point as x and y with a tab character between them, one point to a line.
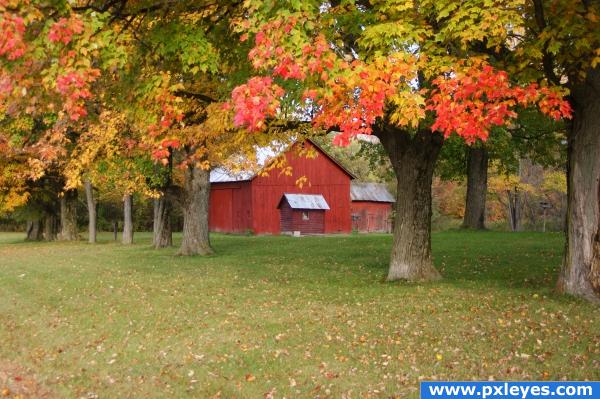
34	230
163	235
413	158
477	177
580	272
92	211
50	227
128	219
514	205
196	194
68	216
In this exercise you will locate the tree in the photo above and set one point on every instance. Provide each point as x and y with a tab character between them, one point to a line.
412	74
49	65
477	177
559	41
92	206
532	136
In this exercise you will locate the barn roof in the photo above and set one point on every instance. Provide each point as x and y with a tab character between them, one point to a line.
263	156
374	192
306	201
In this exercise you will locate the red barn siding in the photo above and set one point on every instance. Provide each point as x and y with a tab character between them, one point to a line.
371	217
324	176
291	220
230	207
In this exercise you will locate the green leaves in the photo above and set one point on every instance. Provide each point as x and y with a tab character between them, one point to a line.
185	44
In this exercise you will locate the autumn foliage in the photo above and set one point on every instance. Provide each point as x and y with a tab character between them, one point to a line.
351	95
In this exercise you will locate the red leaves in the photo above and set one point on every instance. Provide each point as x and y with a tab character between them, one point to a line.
352	95
12	29
63	30
172	143
254	102
470	103
74	86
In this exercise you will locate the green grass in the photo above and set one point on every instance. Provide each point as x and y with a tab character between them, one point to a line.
308	317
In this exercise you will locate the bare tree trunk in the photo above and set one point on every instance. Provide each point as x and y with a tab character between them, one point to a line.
92	208
128	219
580	272
163	236
34	230
195	212
477	168
50	227
413	158
115	230
514	209
68	216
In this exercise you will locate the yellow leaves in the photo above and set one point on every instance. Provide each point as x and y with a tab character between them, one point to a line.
250	377
301	181
409	109
555	181
596	58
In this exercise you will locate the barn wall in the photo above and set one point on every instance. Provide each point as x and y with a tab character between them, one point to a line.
286	217
230	207
291	220
371	217
324	177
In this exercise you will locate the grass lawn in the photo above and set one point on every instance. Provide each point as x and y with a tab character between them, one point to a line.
297	317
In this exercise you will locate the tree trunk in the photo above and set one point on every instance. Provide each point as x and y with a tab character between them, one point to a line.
413	158
196	194
34	230
92	208
68	216
128	219
514	209
580	272
115	230
163	236
477	168
50	227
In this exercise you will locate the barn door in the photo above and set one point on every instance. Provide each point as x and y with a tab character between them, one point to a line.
221	210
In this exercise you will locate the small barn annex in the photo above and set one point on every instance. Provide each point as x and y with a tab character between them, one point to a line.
371	208
251	202
303	213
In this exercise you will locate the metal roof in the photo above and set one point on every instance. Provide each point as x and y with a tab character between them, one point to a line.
263	156
375	192
221	175
306	201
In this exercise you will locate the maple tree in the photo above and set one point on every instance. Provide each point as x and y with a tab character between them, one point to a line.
559	41
183	60
410	73
50	63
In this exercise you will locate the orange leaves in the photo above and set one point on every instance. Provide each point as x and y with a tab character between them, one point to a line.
74	86
470	102
357	98
254	102
12	29
63	30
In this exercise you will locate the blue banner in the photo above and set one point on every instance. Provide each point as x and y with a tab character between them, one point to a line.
509	390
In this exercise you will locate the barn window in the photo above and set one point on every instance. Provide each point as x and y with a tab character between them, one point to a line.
305	216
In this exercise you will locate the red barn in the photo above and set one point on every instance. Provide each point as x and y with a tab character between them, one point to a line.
371	208
250	202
